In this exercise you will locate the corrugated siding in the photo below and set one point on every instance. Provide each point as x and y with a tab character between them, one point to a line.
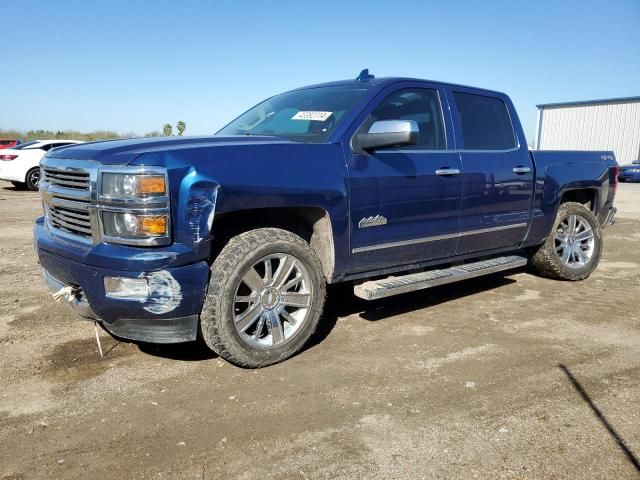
614	126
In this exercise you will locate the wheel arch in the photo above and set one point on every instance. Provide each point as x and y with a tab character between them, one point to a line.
586	196
313	224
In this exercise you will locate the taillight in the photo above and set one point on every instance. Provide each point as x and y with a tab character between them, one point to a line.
6	158
616	172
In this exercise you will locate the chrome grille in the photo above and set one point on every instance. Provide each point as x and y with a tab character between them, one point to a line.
76	222
75	180
73	204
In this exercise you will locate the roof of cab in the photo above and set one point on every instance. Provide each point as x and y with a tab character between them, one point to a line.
384	81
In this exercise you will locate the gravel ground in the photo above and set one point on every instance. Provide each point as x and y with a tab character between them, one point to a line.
509	376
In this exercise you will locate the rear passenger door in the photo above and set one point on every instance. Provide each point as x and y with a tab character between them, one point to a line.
497	179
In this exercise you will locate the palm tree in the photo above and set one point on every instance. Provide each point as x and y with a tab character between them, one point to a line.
167	130
181	126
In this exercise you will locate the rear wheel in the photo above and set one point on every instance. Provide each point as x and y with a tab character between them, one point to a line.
33	178
574	246
265	298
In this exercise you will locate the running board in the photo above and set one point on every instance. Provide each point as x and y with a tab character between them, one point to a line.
412	282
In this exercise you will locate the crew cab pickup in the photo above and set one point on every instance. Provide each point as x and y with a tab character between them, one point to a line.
393	184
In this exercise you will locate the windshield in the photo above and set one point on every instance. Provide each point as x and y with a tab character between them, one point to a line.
25	145
308	115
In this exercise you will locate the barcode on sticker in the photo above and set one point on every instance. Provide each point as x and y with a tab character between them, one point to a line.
309	115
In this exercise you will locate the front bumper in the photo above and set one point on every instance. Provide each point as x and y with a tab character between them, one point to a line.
169	315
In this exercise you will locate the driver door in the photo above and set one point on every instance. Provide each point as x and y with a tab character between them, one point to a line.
405	201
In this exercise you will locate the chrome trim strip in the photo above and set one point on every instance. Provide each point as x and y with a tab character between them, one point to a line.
453	150
436	238
493	229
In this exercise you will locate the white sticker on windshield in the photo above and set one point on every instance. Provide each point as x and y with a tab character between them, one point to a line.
310	115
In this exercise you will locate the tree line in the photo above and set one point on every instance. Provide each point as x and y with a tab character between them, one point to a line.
41	134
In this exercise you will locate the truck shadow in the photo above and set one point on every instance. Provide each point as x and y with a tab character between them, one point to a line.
341	302
186	352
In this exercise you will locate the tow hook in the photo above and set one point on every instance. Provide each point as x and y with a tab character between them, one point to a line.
70	293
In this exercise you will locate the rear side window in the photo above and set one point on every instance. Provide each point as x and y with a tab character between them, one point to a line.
485	122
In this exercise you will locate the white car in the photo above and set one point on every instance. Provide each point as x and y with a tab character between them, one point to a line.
21	164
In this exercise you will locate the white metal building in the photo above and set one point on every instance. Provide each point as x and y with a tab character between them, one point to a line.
609	124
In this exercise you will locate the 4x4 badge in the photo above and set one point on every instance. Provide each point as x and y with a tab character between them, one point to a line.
376	221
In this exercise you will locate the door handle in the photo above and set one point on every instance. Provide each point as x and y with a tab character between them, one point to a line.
443	172
521	169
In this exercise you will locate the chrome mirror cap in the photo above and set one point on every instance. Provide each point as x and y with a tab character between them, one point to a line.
386	133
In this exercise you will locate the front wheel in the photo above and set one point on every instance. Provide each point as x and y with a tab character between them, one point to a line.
265	298
572	250
33	178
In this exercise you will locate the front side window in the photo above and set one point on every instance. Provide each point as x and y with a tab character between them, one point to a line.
485	122
421	105
308	115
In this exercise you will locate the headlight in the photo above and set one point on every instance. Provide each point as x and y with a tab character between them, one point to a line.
140	185
134	226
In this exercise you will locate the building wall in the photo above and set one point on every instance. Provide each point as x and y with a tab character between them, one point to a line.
604	126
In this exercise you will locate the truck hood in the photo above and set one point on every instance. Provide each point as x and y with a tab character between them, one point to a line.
122	152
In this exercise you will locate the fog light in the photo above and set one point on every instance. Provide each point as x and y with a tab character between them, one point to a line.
127	288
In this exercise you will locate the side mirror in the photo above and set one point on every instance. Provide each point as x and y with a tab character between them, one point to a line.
387	133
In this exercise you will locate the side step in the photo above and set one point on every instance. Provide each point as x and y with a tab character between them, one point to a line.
390	286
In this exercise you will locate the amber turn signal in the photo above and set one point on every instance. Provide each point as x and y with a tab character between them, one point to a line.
150	184
153	225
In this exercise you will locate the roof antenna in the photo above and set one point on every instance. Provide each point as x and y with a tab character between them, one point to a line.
364	76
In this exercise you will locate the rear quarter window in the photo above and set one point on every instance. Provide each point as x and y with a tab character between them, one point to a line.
485	122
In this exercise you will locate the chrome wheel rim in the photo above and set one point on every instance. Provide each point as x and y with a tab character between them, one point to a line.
34	178
574	241
272	301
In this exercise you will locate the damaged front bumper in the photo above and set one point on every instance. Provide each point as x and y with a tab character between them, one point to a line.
169	314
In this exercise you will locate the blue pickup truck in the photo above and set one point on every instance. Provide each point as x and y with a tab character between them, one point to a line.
393	184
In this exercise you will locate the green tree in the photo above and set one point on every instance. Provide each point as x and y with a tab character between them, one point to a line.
181	126
167	130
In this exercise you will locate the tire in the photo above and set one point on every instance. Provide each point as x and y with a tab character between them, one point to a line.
236	295
19	185
33	179
560	256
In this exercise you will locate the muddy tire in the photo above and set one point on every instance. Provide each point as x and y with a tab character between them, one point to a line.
265	297
573	249
33	179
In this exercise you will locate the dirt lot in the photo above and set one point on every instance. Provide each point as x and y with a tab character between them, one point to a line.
503	377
